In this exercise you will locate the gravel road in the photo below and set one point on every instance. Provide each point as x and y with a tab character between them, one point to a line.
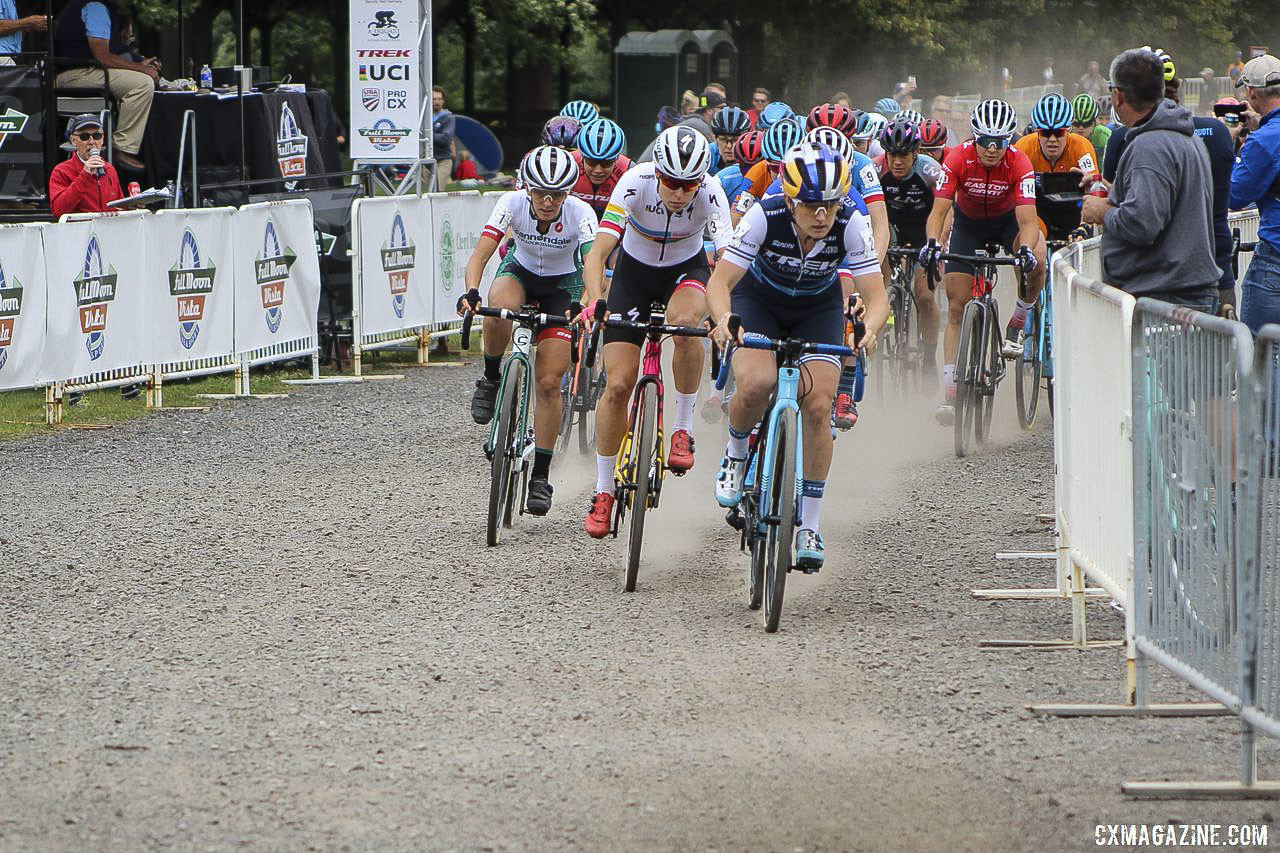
275	625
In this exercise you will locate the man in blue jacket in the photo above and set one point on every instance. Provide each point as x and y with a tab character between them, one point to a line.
1256	179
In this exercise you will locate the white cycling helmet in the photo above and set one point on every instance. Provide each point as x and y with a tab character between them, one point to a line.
993	117
872	125
833	139
549	168
682	153
913	116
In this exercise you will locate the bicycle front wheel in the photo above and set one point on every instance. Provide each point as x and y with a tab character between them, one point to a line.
641	465
502	465
592	385
990	370
968	358
1028	370
781	518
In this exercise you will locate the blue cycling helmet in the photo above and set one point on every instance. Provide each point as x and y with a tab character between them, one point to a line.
561	131
888	107
601	139
583	111
1052	112
730	121
772	114
782	137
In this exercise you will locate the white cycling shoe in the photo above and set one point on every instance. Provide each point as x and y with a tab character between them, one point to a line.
729	481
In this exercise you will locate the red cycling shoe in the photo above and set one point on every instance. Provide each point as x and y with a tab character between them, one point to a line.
680	457
599	519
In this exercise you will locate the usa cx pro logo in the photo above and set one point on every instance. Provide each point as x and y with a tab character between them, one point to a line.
190	282
397	262
271	269
10	308
95	290
291	146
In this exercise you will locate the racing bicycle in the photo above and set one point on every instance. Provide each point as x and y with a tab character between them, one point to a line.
581	389
768	513
902	344
641	465
1036	362
510	443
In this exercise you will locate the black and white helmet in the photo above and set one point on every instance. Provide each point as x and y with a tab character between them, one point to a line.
993	117
682	153
549	168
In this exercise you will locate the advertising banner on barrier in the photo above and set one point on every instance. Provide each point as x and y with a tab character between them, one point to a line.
97	298
385	68
191	284
277	274
458	219
22	305
396	268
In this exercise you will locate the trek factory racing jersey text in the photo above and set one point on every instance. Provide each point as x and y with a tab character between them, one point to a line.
909	200
983	193
598	196
766	243
654	235
552	253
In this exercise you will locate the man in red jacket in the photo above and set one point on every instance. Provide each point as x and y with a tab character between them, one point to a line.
84	182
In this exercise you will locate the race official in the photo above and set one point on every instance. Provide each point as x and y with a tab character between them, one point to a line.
1256	180
84	182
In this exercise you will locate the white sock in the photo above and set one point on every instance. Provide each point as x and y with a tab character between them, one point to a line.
604	472
738	444
811	504
1026	305
684	411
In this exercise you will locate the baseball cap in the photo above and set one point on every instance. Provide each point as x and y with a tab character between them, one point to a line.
82	121
710	99
1260	71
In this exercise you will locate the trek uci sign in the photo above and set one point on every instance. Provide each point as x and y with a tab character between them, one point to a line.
384	69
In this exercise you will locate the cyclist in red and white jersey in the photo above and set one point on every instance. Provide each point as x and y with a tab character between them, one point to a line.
601	163
992	189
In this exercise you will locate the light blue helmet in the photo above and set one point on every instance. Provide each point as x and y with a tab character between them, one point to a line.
601	139
888	107
583	111
775	112
1052	112
781	137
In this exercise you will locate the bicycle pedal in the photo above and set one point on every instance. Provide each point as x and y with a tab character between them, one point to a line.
735	519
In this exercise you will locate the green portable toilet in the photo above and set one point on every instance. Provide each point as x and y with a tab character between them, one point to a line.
719	61
651	69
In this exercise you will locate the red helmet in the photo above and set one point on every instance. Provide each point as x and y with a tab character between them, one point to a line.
749	149
838	116
933	133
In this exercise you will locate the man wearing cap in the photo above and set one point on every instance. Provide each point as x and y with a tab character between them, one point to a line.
84	182
1256	179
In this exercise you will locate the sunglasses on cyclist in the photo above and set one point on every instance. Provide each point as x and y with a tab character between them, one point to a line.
593	163
1052	133
677	184
726	137
816	208
86	136
548	195
1000	142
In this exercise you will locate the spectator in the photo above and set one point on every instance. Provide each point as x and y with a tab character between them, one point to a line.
1236	67
1157	240
1047	74
1254	180
904	92
707	106
759	100
943	110
719	88
86	35
667	117
842	98
1224	109
1092	83
688	103
443	124
466	169
84	182
12	27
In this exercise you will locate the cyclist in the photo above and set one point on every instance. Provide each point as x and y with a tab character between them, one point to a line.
583	111
912	116
775	112
727	125
888	108
553	232
1052	148
601	162
793	261
659	211
933	138
561	131
839	116
778	139
866	139
747	151
1084	121
992	188
908	180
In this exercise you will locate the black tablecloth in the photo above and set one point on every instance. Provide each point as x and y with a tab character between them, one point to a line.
218	130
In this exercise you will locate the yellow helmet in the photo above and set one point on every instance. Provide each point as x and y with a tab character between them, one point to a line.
815	173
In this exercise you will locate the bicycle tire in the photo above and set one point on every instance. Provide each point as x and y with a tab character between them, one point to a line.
967	356
501	465
566	411
891	375
586	414
907	349
989	373
642	457
1028	375
783	507
751	514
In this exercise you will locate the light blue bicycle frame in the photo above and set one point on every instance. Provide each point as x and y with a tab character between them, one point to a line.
787	398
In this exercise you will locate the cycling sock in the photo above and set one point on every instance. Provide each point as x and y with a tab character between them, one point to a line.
604	472
949	376
811	492
847	377
492	365
541	462
738	443
685	404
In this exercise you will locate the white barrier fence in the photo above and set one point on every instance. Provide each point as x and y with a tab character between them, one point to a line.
96	301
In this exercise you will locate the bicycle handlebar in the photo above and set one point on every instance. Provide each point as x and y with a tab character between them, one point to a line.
976	260
524	318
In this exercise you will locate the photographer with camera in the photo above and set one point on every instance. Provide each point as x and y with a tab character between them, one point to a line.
1256	179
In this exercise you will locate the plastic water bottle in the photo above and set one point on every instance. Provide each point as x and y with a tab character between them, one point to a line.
1099	189
206	77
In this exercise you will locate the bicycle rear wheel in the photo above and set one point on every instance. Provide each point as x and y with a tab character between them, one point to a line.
781	518
908	350
501	467
642	459
989	371
1028	370
567	408
968	357
889	372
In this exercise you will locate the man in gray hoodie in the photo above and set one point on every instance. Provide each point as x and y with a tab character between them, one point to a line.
1157	236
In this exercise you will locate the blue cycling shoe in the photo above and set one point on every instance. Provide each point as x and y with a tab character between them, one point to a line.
809	550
